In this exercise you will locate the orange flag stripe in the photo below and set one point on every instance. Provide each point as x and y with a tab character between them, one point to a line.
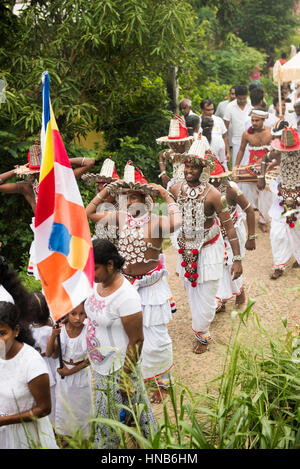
72	215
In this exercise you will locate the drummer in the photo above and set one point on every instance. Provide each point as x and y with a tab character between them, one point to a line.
258	137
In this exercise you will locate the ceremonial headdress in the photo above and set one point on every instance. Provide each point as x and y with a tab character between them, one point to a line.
277	130
219	171
135	181
178	132
107	174
34	160
289	140
198	154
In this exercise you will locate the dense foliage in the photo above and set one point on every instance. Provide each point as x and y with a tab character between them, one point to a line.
112	66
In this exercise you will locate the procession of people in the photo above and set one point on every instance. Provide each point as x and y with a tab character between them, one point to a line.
114	348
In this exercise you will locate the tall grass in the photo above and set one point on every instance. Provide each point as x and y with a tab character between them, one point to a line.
256	406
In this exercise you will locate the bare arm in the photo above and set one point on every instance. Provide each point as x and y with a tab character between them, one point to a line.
265	164
242	148
40	390
162	161
171	222
220	205
85	165
133	326
227	147
250	220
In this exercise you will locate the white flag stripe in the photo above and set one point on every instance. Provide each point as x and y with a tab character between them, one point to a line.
66	184
41	236
78	288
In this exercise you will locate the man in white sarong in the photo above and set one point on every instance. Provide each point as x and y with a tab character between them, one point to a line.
258	138
201	248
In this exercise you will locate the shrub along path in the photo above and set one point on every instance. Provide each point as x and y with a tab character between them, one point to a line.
272	301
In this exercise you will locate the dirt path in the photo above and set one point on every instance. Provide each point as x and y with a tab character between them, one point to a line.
273	301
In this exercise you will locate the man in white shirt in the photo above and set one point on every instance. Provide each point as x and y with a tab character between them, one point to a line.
219	128
236	114
223	104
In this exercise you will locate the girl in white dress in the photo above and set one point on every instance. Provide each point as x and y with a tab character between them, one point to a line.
25	399
73	381
41	329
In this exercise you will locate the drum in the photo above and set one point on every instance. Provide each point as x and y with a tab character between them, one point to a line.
246	173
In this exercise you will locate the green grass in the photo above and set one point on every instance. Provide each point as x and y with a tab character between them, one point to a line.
256	405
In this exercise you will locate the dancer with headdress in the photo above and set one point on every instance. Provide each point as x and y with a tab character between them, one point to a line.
107	174
240	209
201	246
179	141
141	233
285	229
30	186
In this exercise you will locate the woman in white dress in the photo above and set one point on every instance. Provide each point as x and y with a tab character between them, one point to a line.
25	401
115	340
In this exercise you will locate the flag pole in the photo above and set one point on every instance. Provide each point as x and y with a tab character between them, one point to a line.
61	363
279	97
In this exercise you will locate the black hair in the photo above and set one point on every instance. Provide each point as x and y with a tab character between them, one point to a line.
193	120
105	251
283	55
256	96
40	312
252	86
207	124
276	100
206	101
17	314
241	90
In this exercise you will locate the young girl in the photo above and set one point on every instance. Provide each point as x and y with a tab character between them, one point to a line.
24	381
41	330
73	382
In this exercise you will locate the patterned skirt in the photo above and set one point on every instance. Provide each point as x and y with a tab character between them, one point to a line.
109	404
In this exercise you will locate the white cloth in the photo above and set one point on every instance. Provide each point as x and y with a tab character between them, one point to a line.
202	298
219	127
236	118
41	336
157	353
73	393
217	146
32	265
261	200
285	241
203	303
220	111
228	287
107	339
16	397
297	120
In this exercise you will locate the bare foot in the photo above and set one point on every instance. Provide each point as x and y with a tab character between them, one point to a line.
276	274
159	395
296	265
263	227
200	348
240	299
221	308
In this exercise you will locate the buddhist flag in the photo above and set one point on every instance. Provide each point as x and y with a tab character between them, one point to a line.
63	243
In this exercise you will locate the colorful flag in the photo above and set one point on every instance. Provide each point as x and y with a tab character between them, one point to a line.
63	243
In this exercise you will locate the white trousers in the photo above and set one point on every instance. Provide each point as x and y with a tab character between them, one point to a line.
203	303
285	243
